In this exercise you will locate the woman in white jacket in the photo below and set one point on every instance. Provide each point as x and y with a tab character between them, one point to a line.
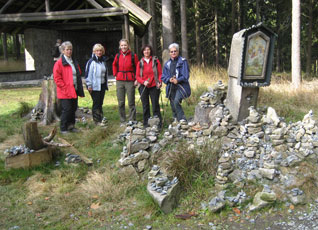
96	80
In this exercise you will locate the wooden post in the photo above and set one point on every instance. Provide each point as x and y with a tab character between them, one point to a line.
32	138
5	46
126	21
17	46
47	6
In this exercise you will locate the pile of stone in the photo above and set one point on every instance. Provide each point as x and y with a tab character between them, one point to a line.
164	190
36	114
209	100
73	158
218	202
262	148
16	150
140	144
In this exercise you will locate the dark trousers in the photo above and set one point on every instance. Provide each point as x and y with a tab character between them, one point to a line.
98	99
69	107
154	94
175	102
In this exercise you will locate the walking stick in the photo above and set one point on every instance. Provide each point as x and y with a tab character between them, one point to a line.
142	92
164	114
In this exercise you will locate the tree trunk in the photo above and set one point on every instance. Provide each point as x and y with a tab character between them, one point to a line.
5	46
296	63
143	41
216	37
257	12
233	14
278	31
184	38
239	15
32	138
197	33
48	108
167	23
309	36
152	26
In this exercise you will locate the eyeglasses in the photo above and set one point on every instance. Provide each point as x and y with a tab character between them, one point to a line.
173	51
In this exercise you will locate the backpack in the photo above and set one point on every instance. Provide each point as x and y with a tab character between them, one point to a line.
56	52
132	60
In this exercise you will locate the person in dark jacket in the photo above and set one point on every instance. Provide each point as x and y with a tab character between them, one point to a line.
124	68
148	74
176	75
66	73
96	81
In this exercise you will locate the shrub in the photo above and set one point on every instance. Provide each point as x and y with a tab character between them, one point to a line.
189	164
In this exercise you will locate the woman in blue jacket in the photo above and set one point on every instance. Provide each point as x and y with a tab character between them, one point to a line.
96	80
176	75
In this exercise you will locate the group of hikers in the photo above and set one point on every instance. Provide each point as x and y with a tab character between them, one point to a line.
130	72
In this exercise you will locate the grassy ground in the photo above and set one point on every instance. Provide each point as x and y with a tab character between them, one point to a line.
102	196
12	65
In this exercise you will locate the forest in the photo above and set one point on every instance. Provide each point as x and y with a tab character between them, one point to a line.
210	24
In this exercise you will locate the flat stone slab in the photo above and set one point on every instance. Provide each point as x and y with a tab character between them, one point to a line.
167	202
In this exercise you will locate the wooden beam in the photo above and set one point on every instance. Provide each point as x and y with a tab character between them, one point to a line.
62	15
83	25
95	4
6	6
133	9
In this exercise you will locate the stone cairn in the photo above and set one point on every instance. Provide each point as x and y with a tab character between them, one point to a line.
162	189
140	145
262	148
17	150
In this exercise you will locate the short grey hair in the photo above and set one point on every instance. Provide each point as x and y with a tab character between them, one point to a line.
174	45
66	44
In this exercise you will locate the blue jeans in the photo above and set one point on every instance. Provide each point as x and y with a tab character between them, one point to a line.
175	102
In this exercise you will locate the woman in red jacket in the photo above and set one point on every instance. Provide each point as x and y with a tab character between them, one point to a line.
66	73
124	68
149	76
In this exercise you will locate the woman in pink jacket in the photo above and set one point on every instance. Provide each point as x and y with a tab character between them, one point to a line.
67	77
148	74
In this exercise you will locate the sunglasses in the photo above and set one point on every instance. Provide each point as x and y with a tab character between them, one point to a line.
173	51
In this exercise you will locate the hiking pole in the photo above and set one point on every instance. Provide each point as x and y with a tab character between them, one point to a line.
163	110
183	95
142	92
164	114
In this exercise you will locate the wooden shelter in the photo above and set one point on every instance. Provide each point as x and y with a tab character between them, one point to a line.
83	22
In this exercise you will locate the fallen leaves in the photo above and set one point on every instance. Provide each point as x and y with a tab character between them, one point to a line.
237	211
95	206
186	216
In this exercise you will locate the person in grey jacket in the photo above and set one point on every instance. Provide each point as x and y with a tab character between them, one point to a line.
96	81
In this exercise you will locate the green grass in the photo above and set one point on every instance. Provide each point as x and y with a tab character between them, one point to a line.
12	64
50	197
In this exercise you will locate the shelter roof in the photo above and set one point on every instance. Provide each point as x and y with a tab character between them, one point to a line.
95	15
